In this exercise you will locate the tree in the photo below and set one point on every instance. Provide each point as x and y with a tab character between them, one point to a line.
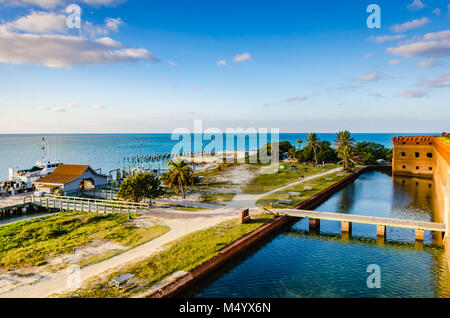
142	185
369	152
313	142
347	157
283	147
344	138
179	176
292	153
299	142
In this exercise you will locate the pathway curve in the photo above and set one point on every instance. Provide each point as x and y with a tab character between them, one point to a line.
58	282
244	201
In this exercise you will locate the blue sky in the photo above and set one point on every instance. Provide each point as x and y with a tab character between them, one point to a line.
153	66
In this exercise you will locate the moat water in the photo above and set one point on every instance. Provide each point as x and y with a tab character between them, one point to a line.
296	263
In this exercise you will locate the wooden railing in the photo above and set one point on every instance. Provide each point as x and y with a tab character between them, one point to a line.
88	205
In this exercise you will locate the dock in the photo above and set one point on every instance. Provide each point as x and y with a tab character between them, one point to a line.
348	219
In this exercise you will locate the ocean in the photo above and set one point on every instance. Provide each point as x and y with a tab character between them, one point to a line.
107	151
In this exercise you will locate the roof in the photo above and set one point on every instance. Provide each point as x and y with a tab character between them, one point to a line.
65	173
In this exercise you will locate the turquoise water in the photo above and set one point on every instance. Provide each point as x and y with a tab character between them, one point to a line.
107	151
296	263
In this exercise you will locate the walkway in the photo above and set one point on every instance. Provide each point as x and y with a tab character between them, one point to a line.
245	201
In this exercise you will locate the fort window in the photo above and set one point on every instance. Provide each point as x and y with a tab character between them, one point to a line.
429	155
403	154
417	168
417	155
430	168
404	167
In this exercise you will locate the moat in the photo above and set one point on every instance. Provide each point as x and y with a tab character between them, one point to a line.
296	263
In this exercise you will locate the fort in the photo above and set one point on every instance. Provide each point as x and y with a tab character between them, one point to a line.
427	157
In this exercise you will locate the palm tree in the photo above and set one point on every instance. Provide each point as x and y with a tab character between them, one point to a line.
179	176
347	157
299	142
344	138
292	153
313	142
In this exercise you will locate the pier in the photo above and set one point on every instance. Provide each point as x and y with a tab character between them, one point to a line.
348	219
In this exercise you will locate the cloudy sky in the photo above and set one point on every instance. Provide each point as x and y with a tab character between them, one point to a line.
156	65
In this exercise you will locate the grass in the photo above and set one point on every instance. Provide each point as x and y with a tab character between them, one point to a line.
34	242
266	182
316	185
444	139
183	254
216	197
188	209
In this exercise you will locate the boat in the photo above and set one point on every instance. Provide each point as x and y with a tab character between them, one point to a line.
23	179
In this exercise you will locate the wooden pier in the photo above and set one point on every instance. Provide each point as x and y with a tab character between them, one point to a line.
348	219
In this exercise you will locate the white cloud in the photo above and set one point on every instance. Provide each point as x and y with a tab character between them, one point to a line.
113	23
437	11
58	109
71	105
438	82
427	63
295	99
386	38
395	62
173	64
416	5
108	42
411	94
98	107
97	3
422	48
242	57
371	77
51	4
64	51
38	22
410	25
222	63
196	89
442	35
366	56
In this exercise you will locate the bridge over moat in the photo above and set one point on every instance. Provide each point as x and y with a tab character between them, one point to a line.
348	219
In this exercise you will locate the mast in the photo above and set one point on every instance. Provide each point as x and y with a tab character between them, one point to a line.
43	150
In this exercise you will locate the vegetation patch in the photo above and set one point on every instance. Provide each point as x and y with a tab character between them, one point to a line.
35	242
292	172
301	192
183	254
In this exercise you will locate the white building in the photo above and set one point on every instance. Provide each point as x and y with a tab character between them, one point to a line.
71	178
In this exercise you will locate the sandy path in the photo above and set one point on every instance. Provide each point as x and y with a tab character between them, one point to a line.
244	201
58	282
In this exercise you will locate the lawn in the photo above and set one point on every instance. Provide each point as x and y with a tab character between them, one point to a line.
316	185
266	182
183	254
35	242
444	139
